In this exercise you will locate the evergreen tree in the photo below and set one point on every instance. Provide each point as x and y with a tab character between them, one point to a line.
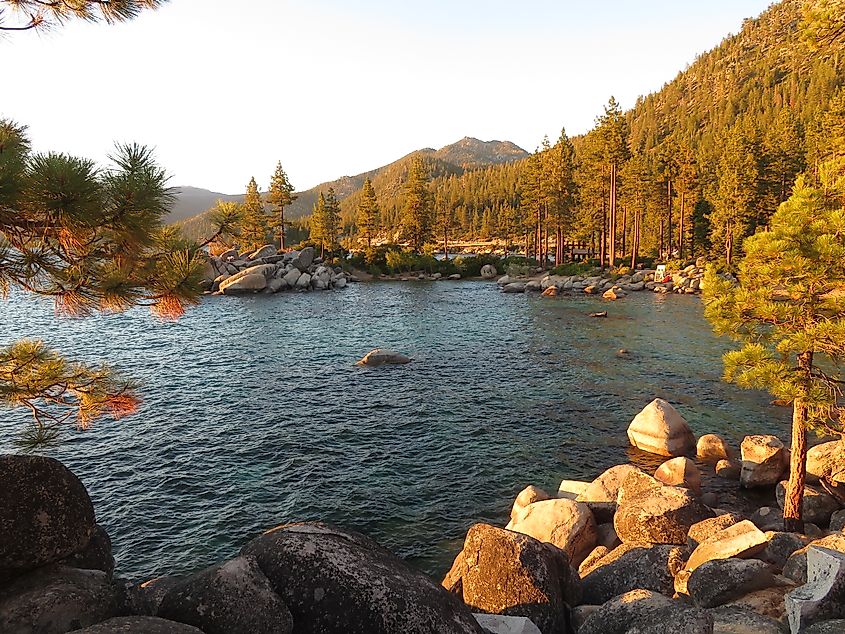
325	221
612	130
255	224
444	220
789	313
280	195
91	239
417	219
46	14
560	165
368	213
737	195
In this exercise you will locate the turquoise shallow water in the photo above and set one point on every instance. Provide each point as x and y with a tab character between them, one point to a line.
254	414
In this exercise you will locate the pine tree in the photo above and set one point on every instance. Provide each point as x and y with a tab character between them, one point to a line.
789	313
325	221
91	239
255	224
45	14
368	213
280	195
737	195
417	219
444	219
560	166
612	130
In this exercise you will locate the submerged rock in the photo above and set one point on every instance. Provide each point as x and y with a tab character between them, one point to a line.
383	356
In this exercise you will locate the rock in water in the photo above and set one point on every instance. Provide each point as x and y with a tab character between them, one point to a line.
680	472
822	598
567	524
383	356
763	460
336	581
713	447
231	597
661	430
515	575
56	599
45	513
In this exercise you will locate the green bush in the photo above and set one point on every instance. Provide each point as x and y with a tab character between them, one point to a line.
573	268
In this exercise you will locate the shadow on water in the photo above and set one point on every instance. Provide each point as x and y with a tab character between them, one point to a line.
254	414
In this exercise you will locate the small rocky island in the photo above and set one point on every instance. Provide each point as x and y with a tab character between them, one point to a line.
627	552
268	271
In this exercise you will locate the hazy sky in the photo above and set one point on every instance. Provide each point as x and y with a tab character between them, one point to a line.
224	89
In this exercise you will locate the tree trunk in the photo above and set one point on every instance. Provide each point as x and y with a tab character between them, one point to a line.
559	246
794	494
282	229
635	240
546	249
669	219
624	228
603	256
612	223
681	236
446	244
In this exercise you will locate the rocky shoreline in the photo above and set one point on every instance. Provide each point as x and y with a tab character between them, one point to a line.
627	552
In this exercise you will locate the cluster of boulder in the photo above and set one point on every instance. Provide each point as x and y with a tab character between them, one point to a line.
268	271
635	552
687	281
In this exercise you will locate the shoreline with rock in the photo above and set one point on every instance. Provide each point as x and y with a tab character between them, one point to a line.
626	550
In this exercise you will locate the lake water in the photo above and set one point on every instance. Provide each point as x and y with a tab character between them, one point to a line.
254	414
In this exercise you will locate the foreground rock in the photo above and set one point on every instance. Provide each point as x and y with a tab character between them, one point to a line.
824	459
680	472
796	566
742	539
139	625
661	430
816	506
45	513
655	513
515	575
735	620
764	459
56	599
822	598
707	528
713	448
646	612
499	624
600	495
383	356
97	554
630	567
336	581
567	524
528	495
231	597
716	582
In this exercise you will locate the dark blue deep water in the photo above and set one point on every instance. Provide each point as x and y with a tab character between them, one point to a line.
254	414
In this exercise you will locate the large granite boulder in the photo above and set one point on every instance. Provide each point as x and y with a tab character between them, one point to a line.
383	356
836	626
600	495
97	554
729	619
139	625
837	521
145	597
234	596
816	506
658	514
513	574
680	471
304	259
823	459
713	448
796	566
661	430
780	547
336	581
742	539
500	624
707	528
45	513
716	582
646	612
822	598
488	272
567	524
262	252
764	459
528	495
250	280
632	566
56	599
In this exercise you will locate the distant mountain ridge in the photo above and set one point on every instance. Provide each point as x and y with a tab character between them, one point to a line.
467	154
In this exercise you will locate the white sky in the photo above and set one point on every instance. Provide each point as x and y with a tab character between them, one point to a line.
224	89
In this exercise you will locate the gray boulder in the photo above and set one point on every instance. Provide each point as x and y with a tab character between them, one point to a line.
139	625
336	581
796	566
144	598
383	356
716	582
707	528
632	566
97	555
836	626
276	284
266	251
45	513
56	599
837	521
816	506
240	284
231	597
304	259
488	272
514	287
780	547
646	612
291	277
515	575
729	619
304	282
822	598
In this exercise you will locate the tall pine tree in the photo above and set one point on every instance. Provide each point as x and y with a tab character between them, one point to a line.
417	220
255	223
280	195
368	213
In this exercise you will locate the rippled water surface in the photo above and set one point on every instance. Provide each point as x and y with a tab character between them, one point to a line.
254	414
